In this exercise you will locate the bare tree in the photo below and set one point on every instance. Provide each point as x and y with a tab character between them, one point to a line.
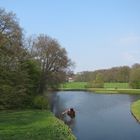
53	59
10	31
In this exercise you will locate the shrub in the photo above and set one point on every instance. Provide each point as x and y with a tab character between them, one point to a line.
98	84
40	102
135	77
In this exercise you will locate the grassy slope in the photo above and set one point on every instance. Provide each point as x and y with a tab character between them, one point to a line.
135	109
32	125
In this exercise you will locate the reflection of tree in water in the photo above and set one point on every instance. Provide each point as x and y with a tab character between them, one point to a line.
57	105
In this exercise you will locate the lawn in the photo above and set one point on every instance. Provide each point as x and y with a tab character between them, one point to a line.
32	125
135	109
82	85
116	85
74	85
121	88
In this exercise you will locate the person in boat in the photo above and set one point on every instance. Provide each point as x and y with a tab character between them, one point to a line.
70	112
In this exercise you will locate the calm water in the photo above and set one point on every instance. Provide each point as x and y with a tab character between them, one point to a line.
98	116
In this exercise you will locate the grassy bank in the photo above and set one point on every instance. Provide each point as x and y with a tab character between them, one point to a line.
83	85
115	91
114	88
135	109
32	125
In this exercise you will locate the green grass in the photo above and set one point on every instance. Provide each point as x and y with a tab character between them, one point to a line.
118	88
32	125
116	85
82	85
135	109
115	91
74	85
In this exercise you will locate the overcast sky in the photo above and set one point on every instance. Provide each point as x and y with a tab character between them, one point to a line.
97	34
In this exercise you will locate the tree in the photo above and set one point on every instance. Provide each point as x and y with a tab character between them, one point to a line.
16	77
10	33
53	59
97	83
135	76
115	74
24	72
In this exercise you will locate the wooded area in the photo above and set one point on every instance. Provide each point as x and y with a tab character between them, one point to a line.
28	66
123	74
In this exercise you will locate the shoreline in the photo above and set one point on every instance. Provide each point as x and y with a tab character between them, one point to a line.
104	90
135	110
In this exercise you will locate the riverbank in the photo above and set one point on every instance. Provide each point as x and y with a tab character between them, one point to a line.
112	88
104	90
135	110
32	125
115	91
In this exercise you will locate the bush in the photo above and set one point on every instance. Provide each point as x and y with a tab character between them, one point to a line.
89	84
98	84
94	84
135	84
135	78
40	102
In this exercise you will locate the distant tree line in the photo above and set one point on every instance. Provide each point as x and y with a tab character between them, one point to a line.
28	66
123	74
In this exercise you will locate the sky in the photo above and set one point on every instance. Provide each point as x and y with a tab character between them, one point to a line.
97	34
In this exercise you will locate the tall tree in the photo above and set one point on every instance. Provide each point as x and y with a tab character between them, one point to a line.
53	59
135	76
15	86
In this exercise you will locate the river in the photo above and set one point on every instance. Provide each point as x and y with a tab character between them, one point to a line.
98	116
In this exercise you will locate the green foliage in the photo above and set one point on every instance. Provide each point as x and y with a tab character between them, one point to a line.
19	86
135	84
135	109
135	77
97	83
34	71
89	84
115	74
24	73
13	79
40	102
32	125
